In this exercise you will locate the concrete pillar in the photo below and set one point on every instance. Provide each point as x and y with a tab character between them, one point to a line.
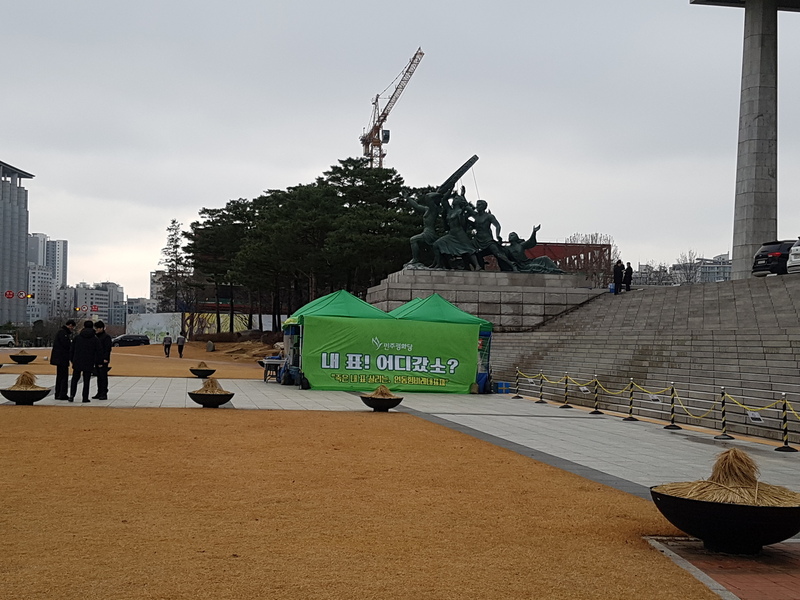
755	218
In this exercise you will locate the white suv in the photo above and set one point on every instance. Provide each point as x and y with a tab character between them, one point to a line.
793	262
6	340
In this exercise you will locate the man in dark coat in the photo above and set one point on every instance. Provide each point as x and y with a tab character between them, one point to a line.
628	277
619	271
86	354
102	366
60	358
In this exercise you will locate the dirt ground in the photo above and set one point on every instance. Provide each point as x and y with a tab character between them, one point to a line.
232	361
175	504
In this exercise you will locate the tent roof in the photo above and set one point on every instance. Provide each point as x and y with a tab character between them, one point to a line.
437	309
337	304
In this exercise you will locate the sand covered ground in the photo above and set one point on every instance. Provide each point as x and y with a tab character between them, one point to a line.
232	361
175	504
205	504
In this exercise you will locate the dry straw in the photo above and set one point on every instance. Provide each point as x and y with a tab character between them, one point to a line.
210	386
381	392
733	480
26	381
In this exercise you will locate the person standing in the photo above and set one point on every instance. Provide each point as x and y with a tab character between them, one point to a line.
619	272
628	277
103	365
167	344
181	341
85	355
60	358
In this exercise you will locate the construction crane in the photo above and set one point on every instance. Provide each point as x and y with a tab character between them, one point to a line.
375	136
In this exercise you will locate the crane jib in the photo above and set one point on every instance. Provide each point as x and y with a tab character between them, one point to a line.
451	181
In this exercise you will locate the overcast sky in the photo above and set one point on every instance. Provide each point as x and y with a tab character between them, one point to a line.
616	116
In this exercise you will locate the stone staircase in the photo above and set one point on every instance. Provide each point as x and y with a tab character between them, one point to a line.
743	335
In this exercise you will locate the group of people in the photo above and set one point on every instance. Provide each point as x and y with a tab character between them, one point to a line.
622	276
88	351
469	236
180	341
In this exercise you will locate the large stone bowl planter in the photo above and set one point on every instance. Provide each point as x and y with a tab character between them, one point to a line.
211	400
380	404
24	397
730	528
22	359
202	373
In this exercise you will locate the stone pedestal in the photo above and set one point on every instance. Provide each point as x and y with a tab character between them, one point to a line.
511	301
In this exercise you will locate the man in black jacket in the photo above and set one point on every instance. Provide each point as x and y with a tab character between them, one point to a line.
619	273
102	366
85	355
60	358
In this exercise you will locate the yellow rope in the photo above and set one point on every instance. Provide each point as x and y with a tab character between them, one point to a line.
688	412
658	393
544	378
751	409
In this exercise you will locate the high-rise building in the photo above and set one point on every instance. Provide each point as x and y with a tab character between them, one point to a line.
13	244
41	293
45	256
56	260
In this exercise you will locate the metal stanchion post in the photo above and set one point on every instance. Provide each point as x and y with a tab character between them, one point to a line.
596	410
724	435
541	399
630	416
566	391
785	426
516	385
672	408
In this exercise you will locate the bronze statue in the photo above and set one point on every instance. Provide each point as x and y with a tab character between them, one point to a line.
457	241
429	205
485	240
515	251
469	233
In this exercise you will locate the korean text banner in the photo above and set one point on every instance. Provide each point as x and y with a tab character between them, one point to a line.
341	353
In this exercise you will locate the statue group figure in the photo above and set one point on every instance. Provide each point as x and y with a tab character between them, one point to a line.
469	237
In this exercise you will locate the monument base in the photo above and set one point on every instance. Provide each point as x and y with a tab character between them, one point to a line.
513	302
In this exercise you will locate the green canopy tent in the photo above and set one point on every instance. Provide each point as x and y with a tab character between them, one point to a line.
339	342
336	304
436	309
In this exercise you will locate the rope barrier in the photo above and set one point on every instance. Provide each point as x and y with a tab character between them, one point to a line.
672	396
675	399
785	426
724	435
630	416
541	399
596	410
516	385
566	392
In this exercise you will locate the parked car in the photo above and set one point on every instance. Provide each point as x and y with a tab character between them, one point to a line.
772	258
6	340
130	339
793	263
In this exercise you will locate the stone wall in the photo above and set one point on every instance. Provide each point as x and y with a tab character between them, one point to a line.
511	301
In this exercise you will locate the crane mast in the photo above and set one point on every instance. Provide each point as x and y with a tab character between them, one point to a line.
374	136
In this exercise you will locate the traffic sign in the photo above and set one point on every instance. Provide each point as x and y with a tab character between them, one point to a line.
21	295
84	308
9	294
95	308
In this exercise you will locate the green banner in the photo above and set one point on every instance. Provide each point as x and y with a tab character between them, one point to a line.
341	353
